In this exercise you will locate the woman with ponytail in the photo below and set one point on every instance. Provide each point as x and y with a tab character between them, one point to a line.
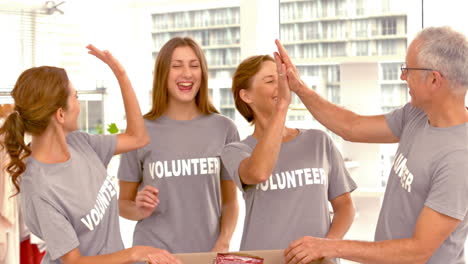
67	197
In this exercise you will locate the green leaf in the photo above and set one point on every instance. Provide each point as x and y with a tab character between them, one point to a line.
99	129
112	128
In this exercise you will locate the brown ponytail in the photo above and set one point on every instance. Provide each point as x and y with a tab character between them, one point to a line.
38	93
15	147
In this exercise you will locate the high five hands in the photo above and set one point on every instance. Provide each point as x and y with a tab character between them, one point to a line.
284	93
293	78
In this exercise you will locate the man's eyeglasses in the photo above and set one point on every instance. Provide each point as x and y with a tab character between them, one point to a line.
404	70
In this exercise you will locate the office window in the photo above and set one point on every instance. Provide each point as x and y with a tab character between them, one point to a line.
227	100
191	23
391	71
393	96
312	71
309	9
362	48
339	7
389	26
311	30
384	26
360	7
331	29
333	93
360	27
337	49
221	73
309	51
196	18
19	35
229	112
91	118
227	105
333	73
387	47
385	6
223	57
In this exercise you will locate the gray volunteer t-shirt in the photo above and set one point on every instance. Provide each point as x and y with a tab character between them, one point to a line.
293	203
74	204
430	169
183	162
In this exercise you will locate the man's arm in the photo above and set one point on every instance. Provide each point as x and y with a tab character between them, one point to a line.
431	229
345	123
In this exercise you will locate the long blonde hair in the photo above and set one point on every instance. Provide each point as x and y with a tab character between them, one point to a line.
161	72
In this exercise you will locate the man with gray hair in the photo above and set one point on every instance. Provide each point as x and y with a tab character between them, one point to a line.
423	216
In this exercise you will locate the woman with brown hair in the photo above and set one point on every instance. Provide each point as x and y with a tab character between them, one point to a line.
176	187
287	175
67	197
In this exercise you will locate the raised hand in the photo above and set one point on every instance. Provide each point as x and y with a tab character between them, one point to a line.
284	56
106	57
147	200
294	80
284	93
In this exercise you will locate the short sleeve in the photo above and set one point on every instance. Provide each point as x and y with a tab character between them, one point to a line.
103	145
231	157
232	136
232	133
340	181
49	224
398	118
449	190
224	173
131	167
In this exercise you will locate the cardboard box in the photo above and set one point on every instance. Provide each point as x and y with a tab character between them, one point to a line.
269	256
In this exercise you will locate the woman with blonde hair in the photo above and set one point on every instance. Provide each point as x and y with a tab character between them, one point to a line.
67	197
287	176
176	187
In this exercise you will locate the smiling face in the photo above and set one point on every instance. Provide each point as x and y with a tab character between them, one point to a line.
184	75
263	92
